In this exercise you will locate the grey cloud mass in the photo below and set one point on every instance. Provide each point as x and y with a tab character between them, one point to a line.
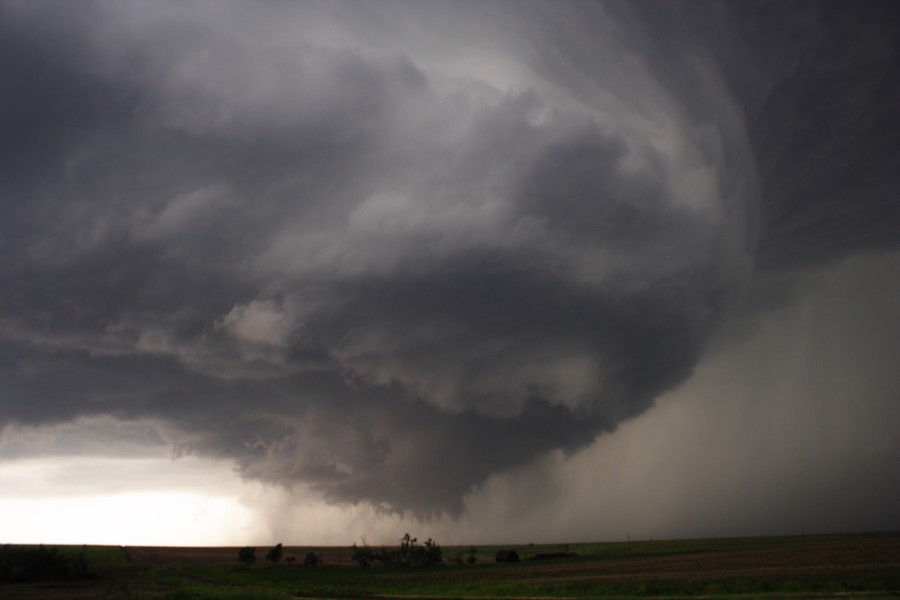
386	250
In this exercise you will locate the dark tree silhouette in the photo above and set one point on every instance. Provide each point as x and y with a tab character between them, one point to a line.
247	554
274	555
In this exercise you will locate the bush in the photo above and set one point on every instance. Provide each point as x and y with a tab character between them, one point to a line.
274	555
506	556
431	553
409	554
312	560
362	555
247	554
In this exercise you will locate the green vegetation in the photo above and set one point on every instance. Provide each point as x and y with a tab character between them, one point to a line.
41	563
100	556
409	554
489	581
96	556
23	562
865	566
802	567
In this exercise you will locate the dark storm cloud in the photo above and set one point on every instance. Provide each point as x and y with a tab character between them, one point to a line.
834	111
386	261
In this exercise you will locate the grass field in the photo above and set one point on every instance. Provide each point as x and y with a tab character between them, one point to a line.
858	566
97	556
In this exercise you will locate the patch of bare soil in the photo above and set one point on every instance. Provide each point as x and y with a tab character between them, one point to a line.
844	560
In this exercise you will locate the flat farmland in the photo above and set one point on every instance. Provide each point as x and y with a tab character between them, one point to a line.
154	556
834	566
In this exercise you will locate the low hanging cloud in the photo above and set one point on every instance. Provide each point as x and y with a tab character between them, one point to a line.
385	251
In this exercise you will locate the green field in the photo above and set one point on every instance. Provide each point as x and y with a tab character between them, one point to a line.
97	556
833	566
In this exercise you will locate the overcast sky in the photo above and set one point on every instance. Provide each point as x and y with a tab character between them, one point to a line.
525	271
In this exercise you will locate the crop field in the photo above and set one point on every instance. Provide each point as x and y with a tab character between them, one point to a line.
831	566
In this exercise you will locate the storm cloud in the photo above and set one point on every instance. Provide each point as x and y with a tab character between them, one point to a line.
384	251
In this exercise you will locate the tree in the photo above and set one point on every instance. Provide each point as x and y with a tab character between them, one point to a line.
431	554
363	555
274	555
247	554
409	554
406	555
312	560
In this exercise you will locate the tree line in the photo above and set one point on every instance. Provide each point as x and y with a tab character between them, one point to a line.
410	553
247	555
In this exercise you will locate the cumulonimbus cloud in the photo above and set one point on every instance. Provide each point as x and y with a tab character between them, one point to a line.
385	255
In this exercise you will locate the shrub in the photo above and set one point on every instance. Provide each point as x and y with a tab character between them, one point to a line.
431	553
312	560
274	555
506	556
362	555
408	554
247	554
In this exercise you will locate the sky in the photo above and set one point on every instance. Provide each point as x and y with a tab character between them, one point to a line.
524	271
